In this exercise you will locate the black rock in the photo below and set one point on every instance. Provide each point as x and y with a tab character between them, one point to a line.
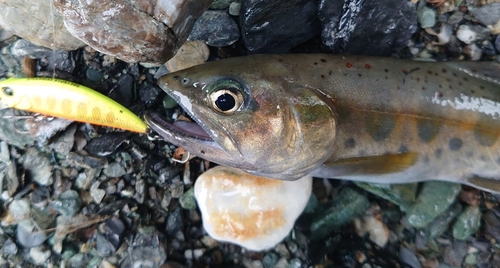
275	26
216	28
368	27
148	93
123	91
106	144
497	43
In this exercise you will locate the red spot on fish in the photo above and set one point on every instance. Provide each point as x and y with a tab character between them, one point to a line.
368	66
348	65
404	71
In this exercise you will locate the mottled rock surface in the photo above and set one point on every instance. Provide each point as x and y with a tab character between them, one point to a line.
367	27
38	22
266	25
216	28
133	31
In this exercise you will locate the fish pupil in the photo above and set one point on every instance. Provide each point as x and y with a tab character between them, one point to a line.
225	102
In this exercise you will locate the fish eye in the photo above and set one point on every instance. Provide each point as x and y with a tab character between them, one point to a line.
226	96
8	91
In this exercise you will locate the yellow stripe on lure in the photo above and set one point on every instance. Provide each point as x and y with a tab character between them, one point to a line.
64	99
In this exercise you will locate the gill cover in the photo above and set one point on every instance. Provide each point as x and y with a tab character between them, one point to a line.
267	120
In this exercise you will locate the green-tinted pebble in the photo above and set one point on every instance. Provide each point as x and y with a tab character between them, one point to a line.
403	195
295	263
427	16
471	259
270	260
188	200
94	262
169	103
347	205
467	223
435	198
94	75
440	224
312	204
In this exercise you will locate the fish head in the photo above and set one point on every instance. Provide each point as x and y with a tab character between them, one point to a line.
12	95
258	114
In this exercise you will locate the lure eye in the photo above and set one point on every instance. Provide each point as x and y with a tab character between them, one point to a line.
8	91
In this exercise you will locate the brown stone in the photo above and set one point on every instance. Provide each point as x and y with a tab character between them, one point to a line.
133	31
37	22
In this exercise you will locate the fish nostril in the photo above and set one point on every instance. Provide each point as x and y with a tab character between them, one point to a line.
8	91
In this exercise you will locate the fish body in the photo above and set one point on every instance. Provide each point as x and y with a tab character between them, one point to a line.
368	119
64	99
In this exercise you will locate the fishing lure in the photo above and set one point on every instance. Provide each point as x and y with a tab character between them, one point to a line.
64	99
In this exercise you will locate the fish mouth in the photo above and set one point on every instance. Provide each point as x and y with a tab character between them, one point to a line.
178	128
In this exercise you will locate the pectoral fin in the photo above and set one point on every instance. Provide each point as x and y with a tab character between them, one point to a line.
490	185
373	165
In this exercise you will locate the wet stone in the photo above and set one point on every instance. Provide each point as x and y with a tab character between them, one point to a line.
114	170
104	247
467	223
38	166
122	92
148	93
234	9
266	28
488	14
9	248
188	200
216	28
366	27
192	53
426	16
68	203
434	199
96	193
29	234
440	224
403	195
408	257
106	144
454	253
221	4
147	250
497	43
174	221
347	205
270	260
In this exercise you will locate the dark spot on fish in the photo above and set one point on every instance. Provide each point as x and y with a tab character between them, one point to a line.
438	152
428	129
385	70
404	71
368	66
426	159
450	87
386	77
469	154
440	86
402	149
472	91
460	83
443	70
202	152
473	70
423	88
429	72
348	65
485	136
454	74
176	78
323	60
350	143
330	72
418	79
359	75
466	79
455	144
323	76
398	87
448	80
280	60
315	63
440	95
436	74
380	126
481	87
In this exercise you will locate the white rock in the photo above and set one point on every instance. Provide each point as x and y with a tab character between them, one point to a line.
39	256
251	211
378	231
466	34
19	210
